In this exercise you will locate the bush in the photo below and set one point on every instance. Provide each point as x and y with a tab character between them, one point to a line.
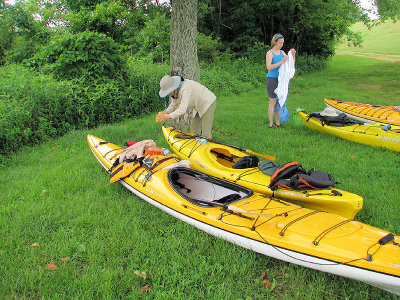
234	77
207	49
309	63
144	82
88	55
257	52
33	107
152	41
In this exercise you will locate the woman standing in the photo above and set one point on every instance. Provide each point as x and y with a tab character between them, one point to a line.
184	94
274	59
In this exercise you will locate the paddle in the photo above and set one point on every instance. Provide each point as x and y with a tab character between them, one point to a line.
188	137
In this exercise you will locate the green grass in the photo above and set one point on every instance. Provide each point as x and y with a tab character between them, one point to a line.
380	39
57	195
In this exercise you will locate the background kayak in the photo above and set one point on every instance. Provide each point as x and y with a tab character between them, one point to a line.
374	134
386	114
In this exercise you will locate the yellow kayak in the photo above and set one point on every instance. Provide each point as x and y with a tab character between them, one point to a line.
218	159
387	114
279	229
374	134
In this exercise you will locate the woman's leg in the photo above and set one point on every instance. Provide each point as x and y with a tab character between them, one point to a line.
278	117
271	110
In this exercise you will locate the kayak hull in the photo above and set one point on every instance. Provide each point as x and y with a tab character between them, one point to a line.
285	231
368	113
205	158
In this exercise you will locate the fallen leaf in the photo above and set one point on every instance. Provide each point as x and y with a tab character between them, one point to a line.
262	276
44	191
265	282
52	266
145	288
353	156
35	245
73	151
54	148
140	274
65	258
268	284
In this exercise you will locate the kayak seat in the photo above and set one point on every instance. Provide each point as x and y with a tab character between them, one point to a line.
175	178
246	162
340	120
228	198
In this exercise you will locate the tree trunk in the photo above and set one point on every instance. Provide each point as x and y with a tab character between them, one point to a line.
183	48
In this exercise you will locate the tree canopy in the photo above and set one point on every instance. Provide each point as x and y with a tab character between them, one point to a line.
142	27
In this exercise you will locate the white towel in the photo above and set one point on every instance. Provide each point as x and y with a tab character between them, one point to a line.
286	72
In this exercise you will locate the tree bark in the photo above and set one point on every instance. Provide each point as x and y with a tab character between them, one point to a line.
183	48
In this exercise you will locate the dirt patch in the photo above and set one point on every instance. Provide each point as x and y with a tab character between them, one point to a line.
369	86
386	57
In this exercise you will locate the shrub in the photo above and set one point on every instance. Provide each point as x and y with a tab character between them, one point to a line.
87	55
256	52
33	107
152	41
144	79
309	63
207	48
235	77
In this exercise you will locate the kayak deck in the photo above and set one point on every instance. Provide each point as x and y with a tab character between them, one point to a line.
386	114
218	160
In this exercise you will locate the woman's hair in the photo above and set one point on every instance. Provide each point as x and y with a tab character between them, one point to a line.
274	39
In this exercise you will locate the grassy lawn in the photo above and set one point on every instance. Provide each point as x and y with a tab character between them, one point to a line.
381	40
57	206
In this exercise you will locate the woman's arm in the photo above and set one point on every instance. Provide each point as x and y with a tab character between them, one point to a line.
270	65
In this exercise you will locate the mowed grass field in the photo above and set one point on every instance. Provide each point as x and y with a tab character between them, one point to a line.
381	40
67	233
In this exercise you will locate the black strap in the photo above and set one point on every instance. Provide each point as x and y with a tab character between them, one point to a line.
224	156
386	239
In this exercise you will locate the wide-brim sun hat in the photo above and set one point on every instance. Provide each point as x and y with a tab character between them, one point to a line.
168	84
329	112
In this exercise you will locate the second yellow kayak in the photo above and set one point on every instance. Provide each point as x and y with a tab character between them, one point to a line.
218	160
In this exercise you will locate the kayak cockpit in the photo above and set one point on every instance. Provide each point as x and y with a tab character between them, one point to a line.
205	190
230	160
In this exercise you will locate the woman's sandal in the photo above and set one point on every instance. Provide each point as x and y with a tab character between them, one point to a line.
272	126
280	125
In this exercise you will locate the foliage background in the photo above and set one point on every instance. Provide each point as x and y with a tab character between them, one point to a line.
100	62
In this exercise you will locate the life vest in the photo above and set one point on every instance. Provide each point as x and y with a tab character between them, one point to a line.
293	176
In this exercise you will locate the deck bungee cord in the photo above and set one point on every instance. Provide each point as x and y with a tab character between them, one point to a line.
317	240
